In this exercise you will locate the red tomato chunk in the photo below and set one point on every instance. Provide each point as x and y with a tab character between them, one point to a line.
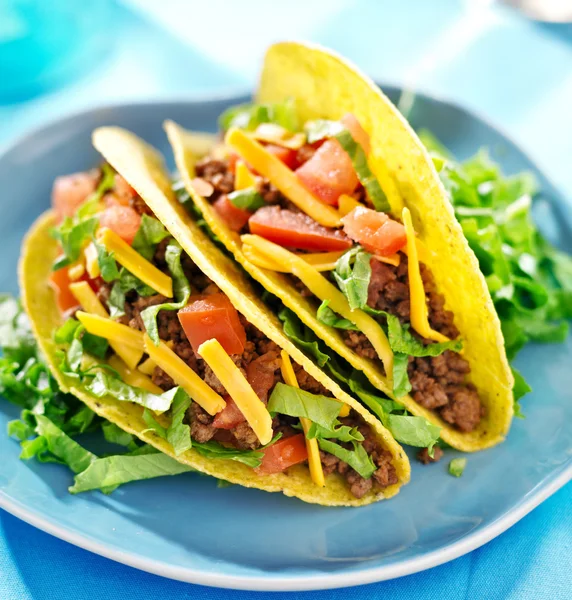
60	282
296	230
329	173
286	155
375	231
229	417
213	316
70	191
283	454
123	220
236	218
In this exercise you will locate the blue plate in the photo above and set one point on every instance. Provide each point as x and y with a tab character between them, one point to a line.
185	527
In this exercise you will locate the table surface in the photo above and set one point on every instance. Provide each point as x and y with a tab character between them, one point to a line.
516	73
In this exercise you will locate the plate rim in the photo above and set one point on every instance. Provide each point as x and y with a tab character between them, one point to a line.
268	582
264	583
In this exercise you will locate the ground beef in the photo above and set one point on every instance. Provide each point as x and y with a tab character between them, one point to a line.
438	382
202	429
217	173
464	409
269	193
358	342
160	378
423	455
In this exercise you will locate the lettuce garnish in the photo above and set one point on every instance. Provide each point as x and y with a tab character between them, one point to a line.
249	116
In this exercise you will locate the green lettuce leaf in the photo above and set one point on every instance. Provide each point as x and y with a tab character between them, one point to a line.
150	233
104	384
250	458
302	336
107	263
178	433
343	433
401	383
116	301
295	402
354	280
247	199
457	466
105	473
62	446
249	116
327	316
181	290
72	236
358	459
115	435
413	431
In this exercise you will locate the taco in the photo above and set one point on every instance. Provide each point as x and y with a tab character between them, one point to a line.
324	194
142	318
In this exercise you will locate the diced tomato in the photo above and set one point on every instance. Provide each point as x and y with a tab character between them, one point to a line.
260	374
123	220
232	159
283	454
358	132
60	282
70	191
286	155
213	316
296	230
329	173
229	417
236	218
375	231
123	190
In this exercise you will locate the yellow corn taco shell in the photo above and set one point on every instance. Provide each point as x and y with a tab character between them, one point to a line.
142	167
325	86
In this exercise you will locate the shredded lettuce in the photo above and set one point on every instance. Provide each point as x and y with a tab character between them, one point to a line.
250	458
150	233
181	291
247	199
249	116
178	433
457	466
354	280
107	265
358	459
302	336
116	301
295	402
327	316
343	433
109	472
105	384
72	235
115	435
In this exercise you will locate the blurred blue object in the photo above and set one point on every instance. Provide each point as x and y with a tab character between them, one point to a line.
44	43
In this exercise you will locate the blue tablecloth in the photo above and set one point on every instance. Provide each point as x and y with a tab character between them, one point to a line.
517	73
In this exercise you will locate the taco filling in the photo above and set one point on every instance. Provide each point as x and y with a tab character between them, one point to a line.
144	324
305	203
